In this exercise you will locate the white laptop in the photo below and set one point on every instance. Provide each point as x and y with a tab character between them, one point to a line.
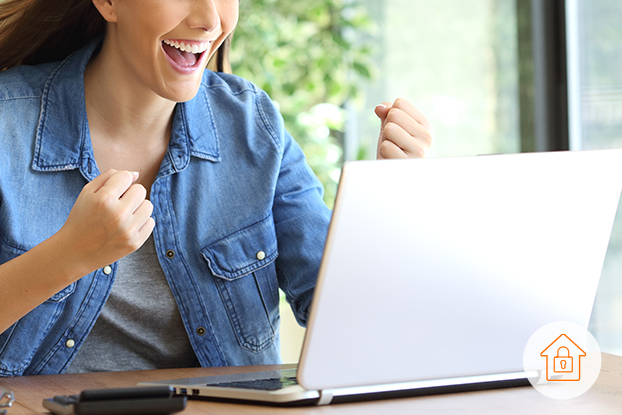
436	272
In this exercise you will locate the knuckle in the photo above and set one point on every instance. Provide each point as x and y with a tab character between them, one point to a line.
145	205
386	148
418	152
106	201
119	225
393	115
428	138
400	102
142	191
127	239
125	174
118	221
391	128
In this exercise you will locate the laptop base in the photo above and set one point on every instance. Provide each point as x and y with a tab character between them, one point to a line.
351	398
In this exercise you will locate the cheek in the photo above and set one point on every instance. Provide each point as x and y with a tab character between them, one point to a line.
229	13
143	20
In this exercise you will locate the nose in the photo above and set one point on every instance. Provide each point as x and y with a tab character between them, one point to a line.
204	15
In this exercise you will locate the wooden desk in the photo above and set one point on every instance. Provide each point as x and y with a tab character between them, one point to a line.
605	397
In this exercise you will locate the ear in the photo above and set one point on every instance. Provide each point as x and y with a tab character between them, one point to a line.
107	9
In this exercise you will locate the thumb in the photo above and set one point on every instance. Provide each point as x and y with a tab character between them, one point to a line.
382	110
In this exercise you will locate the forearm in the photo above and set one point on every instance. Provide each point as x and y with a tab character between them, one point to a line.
30	279
110	220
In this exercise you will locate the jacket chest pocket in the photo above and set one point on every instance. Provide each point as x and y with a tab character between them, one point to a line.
243	269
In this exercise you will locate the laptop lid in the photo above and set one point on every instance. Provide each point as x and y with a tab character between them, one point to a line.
443	268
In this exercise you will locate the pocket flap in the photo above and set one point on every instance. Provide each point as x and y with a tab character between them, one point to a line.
242	252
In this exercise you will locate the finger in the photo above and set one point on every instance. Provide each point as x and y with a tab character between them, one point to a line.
382	110
412	111
138	227
389	150
142	214
100	180
146	229
145	222
134	197
411	146
119	183
409	125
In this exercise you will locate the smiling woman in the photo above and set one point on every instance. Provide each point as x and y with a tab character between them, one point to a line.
111	123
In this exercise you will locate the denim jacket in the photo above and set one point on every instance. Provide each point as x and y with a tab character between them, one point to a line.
238	214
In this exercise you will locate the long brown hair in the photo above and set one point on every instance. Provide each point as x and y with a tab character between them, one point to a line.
40	31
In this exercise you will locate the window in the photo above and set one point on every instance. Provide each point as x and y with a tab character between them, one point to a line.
595	92
457	61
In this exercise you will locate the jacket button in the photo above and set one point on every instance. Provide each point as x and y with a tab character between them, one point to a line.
70	343
107	269
261	255
170	254
201	331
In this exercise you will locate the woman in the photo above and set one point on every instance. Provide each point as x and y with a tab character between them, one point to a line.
198	172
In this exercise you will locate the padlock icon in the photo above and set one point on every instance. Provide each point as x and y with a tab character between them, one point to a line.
562	364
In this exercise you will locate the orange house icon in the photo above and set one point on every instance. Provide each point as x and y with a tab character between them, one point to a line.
563	360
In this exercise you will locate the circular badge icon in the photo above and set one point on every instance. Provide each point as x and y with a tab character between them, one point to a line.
564	360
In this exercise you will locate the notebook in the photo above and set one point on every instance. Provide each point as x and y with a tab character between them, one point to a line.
436	272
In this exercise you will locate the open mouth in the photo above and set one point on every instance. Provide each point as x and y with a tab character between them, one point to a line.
186	55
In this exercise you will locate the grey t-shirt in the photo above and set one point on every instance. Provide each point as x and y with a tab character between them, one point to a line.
140	326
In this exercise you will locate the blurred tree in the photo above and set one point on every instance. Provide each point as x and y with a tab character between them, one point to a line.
310	57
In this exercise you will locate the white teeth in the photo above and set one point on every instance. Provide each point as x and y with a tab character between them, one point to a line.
194	48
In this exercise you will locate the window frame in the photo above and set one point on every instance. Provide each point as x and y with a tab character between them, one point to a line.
544	75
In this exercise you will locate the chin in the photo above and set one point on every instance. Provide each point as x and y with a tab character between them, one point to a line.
181	93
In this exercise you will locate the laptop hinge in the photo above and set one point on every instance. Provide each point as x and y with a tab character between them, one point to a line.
326	397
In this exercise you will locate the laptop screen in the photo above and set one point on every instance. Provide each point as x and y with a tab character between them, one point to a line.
441	268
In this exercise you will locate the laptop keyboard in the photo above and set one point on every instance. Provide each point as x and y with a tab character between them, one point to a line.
269	384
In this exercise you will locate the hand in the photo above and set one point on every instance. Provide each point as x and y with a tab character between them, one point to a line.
405	132
110	219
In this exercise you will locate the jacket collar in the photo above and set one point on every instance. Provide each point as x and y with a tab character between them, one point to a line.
63	141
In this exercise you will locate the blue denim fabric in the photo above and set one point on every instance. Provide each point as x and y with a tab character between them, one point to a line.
233	183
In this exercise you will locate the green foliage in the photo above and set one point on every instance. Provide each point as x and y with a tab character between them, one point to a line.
309	56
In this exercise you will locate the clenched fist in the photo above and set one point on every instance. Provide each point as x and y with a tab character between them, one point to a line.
110	219
405	132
